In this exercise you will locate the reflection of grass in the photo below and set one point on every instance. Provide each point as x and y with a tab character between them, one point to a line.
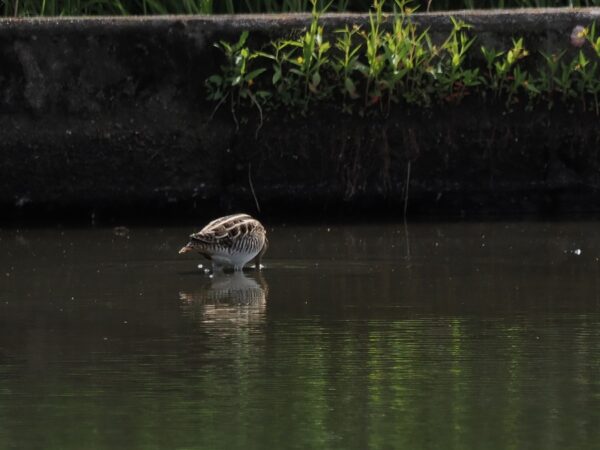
314	382
458	373
513	407
390	61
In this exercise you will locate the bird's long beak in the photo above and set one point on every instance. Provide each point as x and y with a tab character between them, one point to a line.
185	249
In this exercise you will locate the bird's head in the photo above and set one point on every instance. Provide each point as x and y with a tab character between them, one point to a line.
189	247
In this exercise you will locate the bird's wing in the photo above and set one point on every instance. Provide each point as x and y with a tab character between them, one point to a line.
225	229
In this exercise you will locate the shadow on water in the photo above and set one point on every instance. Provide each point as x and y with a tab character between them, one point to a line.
486	337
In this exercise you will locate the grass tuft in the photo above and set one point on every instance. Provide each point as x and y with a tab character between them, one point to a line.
392	62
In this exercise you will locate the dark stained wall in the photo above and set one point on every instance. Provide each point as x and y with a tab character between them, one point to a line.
109	114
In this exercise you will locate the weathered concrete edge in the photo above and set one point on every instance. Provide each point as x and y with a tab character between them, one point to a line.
497	18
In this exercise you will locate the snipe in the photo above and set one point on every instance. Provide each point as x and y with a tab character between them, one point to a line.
230	241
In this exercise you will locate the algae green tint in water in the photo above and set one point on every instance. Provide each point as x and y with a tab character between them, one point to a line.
453	336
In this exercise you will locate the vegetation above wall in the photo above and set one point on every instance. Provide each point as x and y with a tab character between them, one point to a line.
391	61
146	7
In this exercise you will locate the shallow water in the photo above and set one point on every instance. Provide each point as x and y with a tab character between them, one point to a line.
442	336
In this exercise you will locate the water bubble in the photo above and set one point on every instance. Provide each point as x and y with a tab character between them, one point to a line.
577	251
121	231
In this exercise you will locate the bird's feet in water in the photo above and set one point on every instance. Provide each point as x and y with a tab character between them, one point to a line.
214	269
248	268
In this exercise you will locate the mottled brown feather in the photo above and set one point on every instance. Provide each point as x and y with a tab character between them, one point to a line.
229	235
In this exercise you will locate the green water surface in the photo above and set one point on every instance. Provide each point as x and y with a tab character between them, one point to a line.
442	336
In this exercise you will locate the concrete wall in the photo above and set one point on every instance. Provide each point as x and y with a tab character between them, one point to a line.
109	114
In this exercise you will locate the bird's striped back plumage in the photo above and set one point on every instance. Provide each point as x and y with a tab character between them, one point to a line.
234	239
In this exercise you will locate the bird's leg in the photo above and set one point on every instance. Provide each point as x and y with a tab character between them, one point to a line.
258	259
263	250
256	262
216	267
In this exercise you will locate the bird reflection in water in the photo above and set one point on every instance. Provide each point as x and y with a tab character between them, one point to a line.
228	298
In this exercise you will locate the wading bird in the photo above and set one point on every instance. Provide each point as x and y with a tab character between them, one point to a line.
230	242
